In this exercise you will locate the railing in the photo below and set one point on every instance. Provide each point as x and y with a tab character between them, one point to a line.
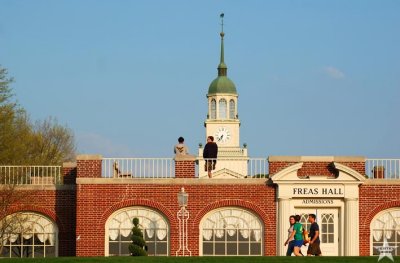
235	167
382	168
33	175
138	168
146	168
257	168
232	151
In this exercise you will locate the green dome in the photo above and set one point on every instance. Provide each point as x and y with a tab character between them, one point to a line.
222	84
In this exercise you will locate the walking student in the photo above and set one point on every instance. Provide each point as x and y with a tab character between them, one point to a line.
297	234
314	248
290	241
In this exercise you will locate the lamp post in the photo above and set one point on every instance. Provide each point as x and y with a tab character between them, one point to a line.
183	216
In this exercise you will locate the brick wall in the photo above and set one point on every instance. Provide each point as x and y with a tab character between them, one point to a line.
374	198
96	202
315	166
69	173
88	166
185	166
58	205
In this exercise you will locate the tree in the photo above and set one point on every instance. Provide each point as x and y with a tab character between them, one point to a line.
14	123
138	243
22	142
51	143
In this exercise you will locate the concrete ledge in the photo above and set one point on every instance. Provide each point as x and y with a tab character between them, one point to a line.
316	159
186	157
171	181
89	157
382	182
69	165
31	187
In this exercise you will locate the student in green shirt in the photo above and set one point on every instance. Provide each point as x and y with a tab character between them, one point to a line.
297	234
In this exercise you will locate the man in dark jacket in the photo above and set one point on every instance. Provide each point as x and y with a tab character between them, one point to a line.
210	155
313	248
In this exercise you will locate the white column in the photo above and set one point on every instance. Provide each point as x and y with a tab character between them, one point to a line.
351	227
283	224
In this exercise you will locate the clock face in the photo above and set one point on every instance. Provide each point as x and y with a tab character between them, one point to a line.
222	135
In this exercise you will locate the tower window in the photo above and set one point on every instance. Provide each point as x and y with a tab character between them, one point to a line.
222	109
213	109
232	109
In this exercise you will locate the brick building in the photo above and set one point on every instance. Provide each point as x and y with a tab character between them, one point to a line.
88	213
86	208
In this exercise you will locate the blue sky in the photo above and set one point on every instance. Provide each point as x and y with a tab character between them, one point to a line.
130	77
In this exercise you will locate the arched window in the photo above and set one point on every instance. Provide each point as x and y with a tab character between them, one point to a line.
231	231
222	109
232	109
385	228
28	235
153	225
213	109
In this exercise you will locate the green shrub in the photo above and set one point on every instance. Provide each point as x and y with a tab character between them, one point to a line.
137	248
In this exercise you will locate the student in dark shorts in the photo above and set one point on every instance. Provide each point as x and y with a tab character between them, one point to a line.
297	234
313	248
210	154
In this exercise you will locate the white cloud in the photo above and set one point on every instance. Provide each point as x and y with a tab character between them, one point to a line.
334	72
92	143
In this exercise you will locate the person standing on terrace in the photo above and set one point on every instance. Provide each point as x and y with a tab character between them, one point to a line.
210	155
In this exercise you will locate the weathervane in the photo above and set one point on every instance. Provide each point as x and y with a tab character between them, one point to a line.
222	21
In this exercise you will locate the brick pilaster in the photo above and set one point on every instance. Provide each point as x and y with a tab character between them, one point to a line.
88	166
69	173
185	166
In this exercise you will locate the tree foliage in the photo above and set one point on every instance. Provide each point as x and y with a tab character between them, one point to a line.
23	142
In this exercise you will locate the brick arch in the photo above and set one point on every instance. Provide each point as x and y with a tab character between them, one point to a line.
233	203
378	209
136	202
40	210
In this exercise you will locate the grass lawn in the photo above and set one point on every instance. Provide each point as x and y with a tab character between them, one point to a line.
206	259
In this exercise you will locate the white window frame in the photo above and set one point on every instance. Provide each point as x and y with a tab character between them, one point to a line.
223	108
213	109
140	212
379	219
33	219
232	109
233	211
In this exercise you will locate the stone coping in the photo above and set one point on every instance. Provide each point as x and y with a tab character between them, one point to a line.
382	182
89	157
69	165
186	157
316	159
171	181
46	187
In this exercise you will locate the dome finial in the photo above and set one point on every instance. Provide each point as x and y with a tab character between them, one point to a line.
222	84
222	69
